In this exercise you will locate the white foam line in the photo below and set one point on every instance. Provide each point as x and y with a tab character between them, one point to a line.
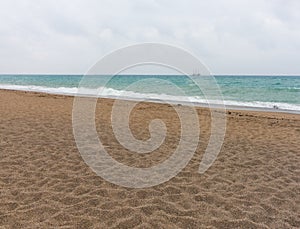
160	98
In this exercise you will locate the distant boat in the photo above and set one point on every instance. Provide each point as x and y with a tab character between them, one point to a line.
196	72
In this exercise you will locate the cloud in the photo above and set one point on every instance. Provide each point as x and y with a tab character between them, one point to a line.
232	36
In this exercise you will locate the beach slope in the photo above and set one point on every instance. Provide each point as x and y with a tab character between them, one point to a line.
44	182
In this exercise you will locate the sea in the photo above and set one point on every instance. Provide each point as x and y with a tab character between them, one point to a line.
251	92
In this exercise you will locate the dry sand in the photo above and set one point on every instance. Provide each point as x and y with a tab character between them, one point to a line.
44	183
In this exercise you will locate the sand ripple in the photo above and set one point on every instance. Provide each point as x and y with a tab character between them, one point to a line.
44	183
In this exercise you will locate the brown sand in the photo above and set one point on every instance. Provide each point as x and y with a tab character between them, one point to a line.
254	183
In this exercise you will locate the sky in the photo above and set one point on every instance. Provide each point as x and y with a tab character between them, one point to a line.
229	36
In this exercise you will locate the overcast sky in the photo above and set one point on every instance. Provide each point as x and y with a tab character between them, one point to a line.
230	36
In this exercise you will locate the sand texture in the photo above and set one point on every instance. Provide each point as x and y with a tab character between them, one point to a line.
44	183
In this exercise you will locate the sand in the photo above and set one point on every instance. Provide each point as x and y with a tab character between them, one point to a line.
44	183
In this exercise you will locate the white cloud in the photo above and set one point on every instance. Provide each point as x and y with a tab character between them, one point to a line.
230	36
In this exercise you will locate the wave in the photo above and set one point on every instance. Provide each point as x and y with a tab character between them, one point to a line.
113	93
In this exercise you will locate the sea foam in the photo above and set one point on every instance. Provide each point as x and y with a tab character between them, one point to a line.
104	92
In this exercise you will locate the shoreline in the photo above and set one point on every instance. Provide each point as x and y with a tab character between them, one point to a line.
185	103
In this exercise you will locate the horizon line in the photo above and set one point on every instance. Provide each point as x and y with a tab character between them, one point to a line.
145	74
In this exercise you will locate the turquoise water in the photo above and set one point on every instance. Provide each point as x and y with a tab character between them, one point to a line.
251	91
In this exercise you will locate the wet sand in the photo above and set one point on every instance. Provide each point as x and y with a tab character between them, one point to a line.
44	182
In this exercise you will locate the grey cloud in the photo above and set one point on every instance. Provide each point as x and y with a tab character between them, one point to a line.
232	36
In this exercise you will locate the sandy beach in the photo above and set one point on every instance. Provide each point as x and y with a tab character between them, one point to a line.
44	182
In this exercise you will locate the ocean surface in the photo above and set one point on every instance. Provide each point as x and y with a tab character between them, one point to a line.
280	93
